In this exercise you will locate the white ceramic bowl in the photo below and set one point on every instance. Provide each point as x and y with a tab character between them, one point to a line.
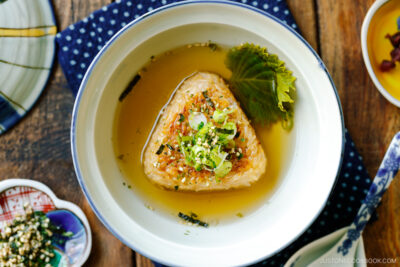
310	171
364	47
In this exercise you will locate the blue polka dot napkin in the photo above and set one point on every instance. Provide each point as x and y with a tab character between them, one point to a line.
79	43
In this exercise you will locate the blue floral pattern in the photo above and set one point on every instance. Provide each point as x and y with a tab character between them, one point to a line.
387	171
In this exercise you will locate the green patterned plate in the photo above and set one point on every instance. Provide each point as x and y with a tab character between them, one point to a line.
27	49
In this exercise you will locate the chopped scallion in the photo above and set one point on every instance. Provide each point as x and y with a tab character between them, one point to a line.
201	125
224	131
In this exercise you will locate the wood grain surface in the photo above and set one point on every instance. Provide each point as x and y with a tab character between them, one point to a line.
39	147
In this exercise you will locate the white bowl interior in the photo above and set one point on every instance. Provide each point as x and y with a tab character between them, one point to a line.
305	184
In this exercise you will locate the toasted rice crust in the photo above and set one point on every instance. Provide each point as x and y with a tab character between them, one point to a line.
165	172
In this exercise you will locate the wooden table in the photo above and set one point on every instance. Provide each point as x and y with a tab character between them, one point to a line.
39	146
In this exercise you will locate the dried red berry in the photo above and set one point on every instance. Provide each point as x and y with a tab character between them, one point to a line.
395	54
394	39
387	65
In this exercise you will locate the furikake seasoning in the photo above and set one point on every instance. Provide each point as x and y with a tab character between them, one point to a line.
27	241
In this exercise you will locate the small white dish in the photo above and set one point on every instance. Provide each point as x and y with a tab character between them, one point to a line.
306	181
364	47
73	251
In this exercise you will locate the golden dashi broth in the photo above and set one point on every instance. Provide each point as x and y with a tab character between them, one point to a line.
135	117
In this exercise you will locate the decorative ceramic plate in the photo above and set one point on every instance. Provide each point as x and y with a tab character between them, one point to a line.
70	251
27	31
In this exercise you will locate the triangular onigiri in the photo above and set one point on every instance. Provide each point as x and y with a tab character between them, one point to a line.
203	140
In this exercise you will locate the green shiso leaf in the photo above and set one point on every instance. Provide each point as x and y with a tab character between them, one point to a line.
262	84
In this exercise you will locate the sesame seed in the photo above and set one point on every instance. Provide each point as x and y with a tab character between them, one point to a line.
24	235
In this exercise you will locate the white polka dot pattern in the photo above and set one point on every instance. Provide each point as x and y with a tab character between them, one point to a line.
94	31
